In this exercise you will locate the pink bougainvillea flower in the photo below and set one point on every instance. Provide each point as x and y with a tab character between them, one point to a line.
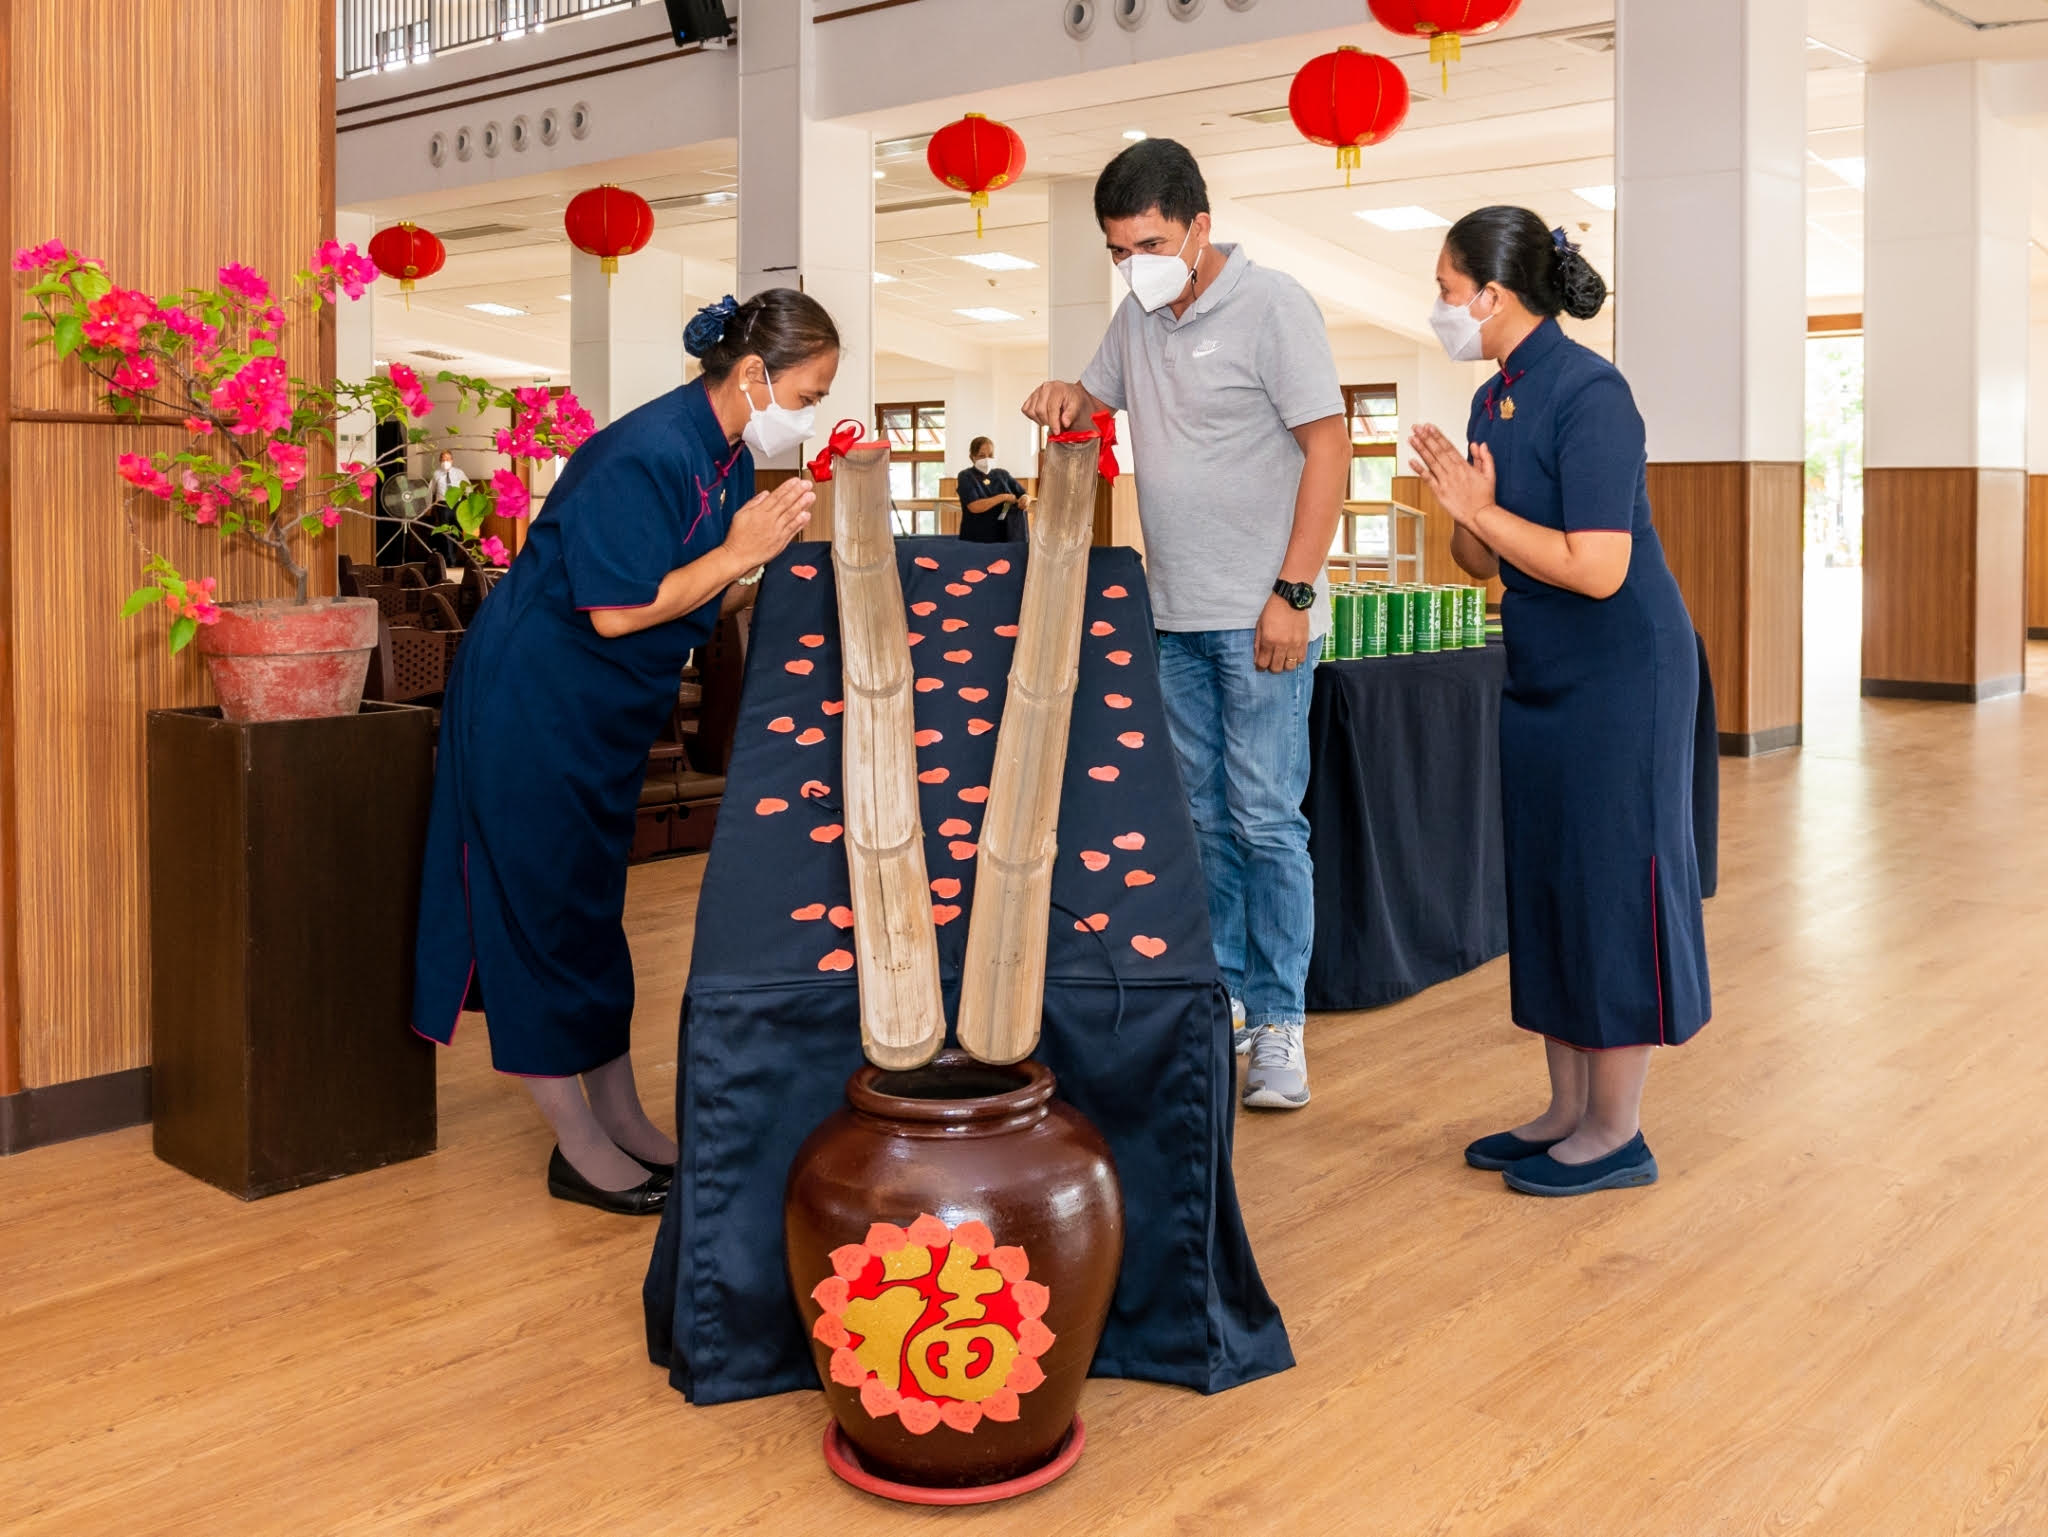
535	398
407	383
493	550
198	602
198	426
257	397
246	281
116	318
337	264
513	500
290	459
140	471
573	424
34	258
135	376
204	338
206	507
364	477
271	327
330	517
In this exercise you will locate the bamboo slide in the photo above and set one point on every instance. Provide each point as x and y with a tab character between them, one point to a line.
896	948
1002	991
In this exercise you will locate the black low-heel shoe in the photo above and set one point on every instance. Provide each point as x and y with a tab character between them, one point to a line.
661	1171
643	1200
1626	1168
1504	1148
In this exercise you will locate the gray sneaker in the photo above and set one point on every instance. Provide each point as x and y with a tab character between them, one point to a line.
1278	1076
1240	1032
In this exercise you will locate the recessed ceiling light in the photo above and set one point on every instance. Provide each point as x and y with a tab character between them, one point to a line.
488	308
881	176
1849	169
565	298
1134	134
1599	197
997	261
988	314
885	277
1406	217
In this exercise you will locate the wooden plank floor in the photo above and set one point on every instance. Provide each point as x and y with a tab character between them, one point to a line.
1831	1316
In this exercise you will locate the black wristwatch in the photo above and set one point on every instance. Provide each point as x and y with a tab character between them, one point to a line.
1300	595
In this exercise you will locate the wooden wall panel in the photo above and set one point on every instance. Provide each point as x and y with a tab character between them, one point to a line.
1919	576
2037	556
167	139
1776	682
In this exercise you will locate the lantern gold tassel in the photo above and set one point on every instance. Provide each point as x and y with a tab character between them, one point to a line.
1349	158
978	201
1444	49
609	265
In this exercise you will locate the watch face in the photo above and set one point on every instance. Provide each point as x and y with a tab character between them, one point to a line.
1299	594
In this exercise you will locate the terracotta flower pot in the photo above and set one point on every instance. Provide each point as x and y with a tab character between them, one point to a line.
280	660
954	1237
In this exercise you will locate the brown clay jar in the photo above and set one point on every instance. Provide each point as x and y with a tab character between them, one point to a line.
954	1236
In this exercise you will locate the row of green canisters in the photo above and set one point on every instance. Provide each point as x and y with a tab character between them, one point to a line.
1374	620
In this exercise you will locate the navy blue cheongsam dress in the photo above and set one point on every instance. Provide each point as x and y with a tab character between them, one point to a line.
1606	946
545	731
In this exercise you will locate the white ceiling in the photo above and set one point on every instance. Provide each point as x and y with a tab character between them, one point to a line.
1527	119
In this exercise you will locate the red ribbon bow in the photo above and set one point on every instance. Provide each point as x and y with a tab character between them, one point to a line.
1105	429
844	438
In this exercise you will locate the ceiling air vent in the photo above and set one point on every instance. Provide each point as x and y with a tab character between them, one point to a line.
438	357
1589	39
919	203
694	200
1263	115
480	232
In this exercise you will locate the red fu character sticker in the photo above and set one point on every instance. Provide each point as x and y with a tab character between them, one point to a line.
934	1324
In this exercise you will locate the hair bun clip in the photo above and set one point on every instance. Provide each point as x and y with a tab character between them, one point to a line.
1562	241
707	328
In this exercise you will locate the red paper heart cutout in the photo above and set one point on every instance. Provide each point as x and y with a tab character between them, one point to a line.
830	833
837	960
1130	841
1147	946
1107	774
768	805
1139	878
945	886
809	914
801	667
782	723
806	572
1094	859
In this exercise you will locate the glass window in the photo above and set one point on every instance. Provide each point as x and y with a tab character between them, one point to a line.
916	431
1375	413
1372	478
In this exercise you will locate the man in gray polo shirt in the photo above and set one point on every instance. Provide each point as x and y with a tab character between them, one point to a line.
1237	422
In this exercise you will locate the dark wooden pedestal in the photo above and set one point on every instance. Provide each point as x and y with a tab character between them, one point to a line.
284	869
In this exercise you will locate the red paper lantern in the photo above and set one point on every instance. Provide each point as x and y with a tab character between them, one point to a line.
1348	99
976	155
608	222
1443	22
408	253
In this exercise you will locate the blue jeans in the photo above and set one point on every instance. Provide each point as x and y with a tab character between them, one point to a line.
1241	736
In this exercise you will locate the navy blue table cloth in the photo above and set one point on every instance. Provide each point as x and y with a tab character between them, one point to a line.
1404	821
1137	1023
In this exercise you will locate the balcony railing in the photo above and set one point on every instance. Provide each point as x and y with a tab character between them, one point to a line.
375	35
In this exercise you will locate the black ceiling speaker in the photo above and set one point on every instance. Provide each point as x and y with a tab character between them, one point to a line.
699	21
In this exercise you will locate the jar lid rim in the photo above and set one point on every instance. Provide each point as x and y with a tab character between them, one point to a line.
881	1092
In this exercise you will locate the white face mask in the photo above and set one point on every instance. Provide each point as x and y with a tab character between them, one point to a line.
1158	280
1456	328
983	466
775	429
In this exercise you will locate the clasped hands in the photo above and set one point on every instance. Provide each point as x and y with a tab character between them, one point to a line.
1463	487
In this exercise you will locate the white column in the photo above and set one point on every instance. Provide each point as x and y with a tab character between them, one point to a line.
1710	326
1945	273
1082	288
1945	324
355	344
625	333
807	198
1710	161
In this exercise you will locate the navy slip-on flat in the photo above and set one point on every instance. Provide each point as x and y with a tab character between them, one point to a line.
1628	1166
1504	1148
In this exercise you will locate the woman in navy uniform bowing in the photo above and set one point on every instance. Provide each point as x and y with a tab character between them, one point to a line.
1606	950
561	686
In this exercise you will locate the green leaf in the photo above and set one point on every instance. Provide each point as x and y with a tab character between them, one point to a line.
70	332
140	599
263	349
49	286
183	628
92	283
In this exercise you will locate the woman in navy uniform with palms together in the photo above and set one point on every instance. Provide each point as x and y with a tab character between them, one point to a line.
1606	947
561	686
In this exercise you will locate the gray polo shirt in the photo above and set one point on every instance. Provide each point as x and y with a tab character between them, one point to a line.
1214	398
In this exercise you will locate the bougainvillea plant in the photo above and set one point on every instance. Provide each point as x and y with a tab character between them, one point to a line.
269	460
